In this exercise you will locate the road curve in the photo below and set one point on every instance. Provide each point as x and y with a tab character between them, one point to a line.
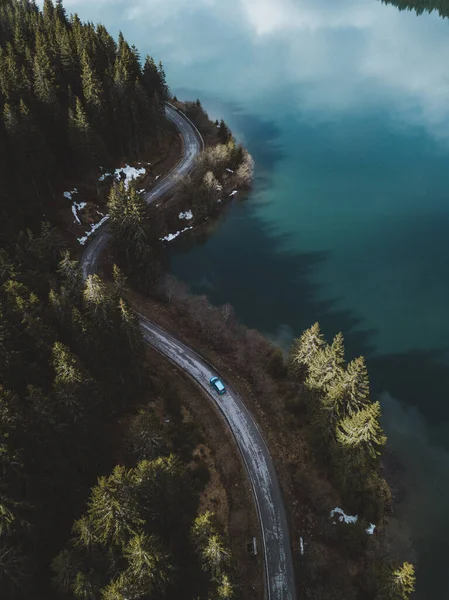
279	573
193	144
259	464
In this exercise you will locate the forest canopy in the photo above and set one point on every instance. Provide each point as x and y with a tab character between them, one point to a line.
71	99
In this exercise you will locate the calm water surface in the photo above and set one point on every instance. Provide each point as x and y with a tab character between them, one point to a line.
345	106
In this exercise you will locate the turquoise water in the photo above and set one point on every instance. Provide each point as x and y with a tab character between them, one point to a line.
345	106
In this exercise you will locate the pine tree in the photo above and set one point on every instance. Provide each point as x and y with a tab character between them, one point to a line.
73	388
44	77
128	218
326	365
145	438
148	566
306	347
224	133
112	509
71	277
91	85
202	529
214	556
97	301
363	431
84	587
13	569
399	583
225	589
349	392
65	567
119	280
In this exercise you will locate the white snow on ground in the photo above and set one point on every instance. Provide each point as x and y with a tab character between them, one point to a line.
186	215
219	200
172	236
343	517
156	178
68	195
93	228
103	177
350	519
130	174
229	170
141	191
301	543
76	206
233	193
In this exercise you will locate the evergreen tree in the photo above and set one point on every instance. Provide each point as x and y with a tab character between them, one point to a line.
225	589
349	391
306	347
326	365
91	85
203	528
214	556
362	430
148	569
399	583
112	509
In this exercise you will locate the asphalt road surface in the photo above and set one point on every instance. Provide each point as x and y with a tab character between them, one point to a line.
279	575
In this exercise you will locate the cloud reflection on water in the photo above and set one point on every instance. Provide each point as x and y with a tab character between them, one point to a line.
332	56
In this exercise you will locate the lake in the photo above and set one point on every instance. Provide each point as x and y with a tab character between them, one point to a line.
345	107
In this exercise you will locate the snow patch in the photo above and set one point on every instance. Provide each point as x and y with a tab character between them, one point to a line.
219	200
343	517
130	174
172	236
301	543
229	170
77	206
68	195
233	193
186	215
370	530
103	177
156	178
93	228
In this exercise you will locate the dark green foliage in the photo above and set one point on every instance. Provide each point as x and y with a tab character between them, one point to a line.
224	133
70	98
420	6
133	234
66	368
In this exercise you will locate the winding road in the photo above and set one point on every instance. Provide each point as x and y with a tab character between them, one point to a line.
279	575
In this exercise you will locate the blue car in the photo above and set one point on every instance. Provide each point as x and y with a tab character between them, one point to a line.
218	385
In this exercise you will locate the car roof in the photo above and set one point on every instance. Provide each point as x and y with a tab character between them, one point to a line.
219	384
